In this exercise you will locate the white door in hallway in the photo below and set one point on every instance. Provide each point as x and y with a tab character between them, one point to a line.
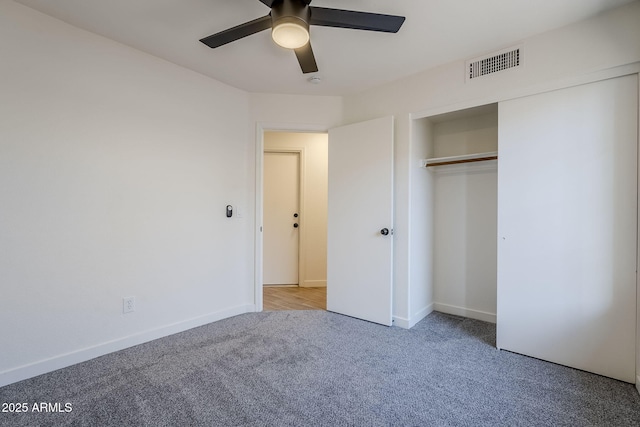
567	226
281	225
360	220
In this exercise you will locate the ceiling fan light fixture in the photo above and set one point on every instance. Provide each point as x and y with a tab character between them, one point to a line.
289	21
290	34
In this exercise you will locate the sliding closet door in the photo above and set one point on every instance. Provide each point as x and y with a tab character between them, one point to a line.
567	219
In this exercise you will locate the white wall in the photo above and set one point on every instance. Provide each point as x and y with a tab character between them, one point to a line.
421	238
313	230
296	112
115	170
465	223
551	59
465	214
472	133
605	41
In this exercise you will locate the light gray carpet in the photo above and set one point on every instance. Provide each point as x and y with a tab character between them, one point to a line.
314	368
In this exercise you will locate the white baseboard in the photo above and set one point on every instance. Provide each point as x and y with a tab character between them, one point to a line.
314	284
72	358
465	312
401	322
405	323
420	315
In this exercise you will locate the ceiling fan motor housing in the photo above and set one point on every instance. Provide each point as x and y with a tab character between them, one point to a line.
290	11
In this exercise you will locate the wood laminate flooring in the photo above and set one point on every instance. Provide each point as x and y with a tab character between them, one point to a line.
277	298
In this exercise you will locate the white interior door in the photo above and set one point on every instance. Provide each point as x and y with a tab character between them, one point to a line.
567	226
359	255
281	205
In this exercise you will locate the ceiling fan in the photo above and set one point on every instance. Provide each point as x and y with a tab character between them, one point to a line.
289	21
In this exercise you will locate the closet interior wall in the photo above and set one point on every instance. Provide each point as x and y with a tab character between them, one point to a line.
464	211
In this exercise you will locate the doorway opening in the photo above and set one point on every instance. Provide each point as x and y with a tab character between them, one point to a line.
356	235
294	210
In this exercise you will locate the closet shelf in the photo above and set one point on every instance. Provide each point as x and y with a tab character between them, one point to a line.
464	158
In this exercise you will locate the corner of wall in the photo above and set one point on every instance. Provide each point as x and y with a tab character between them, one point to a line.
409	323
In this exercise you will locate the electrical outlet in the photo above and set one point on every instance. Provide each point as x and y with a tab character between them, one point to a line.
128	304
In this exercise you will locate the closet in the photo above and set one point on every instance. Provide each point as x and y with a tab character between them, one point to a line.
533	204
462	149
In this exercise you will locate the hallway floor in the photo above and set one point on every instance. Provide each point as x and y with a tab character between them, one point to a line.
278	298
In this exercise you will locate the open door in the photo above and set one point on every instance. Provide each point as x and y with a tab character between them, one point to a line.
360	220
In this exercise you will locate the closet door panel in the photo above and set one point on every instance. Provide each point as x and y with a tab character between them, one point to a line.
567	219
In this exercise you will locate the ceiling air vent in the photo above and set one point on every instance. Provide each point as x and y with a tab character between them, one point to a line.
500	61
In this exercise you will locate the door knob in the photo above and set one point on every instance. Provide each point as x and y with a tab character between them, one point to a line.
295	225
384	231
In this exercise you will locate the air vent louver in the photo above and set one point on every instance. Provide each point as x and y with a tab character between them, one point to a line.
492	64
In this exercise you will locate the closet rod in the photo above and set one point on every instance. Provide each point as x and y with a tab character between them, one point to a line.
453	162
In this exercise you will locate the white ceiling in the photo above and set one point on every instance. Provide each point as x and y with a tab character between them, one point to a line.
435	32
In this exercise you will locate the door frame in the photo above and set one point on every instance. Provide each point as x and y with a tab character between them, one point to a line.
261	128
300	151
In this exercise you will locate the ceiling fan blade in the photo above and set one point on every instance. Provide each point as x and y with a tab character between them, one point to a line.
356	20
237	32
306	59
